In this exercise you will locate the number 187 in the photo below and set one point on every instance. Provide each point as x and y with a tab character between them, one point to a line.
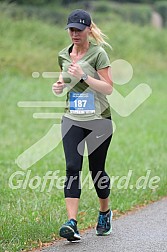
80	103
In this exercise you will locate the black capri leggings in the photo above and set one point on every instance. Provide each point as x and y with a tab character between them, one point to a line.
97	134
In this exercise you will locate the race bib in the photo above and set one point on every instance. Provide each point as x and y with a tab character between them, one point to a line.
82	103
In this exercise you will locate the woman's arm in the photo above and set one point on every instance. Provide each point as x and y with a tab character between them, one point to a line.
59	85
104	85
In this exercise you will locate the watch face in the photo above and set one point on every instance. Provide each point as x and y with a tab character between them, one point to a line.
84	76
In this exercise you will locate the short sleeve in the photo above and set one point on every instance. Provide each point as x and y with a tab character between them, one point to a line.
102	60
60	61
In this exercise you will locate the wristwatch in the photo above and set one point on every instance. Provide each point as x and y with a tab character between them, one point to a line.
84	77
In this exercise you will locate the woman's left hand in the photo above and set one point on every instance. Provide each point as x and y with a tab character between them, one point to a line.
75	70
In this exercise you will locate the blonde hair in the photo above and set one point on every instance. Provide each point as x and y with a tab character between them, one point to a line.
98	35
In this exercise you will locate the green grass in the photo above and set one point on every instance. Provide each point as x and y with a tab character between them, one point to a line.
139	143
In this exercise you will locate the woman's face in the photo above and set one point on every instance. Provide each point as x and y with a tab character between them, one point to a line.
79	37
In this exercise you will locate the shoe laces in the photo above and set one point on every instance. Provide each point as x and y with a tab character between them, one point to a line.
70	223
102	220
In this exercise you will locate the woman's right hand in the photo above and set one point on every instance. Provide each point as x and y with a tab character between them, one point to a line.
57	87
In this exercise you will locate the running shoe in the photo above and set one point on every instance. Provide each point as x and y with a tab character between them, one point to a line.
104	225
69	231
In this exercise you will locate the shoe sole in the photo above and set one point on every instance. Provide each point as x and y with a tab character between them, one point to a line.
104	234
68	233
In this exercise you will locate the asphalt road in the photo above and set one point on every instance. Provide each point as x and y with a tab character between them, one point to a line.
142	231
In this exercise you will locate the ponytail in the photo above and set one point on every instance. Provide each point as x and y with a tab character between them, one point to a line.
98	35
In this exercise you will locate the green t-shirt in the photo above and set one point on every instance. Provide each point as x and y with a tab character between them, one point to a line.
95	58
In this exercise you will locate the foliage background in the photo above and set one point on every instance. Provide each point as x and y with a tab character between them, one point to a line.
30	39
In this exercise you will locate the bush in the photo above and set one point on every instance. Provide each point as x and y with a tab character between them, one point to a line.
31	2
136	13
102	6
18	12
161	8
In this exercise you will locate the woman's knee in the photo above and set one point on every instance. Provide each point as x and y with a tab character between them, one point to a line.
73	169
101	183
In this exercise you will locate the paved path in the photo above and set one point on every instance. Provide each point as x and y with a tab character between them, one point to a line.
142	231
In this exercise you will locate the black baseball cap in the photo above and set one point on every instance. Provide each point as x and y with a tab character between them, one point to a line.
79	19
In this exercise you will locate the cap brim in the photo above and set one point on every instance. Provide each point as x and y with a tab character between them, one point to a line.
76	25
